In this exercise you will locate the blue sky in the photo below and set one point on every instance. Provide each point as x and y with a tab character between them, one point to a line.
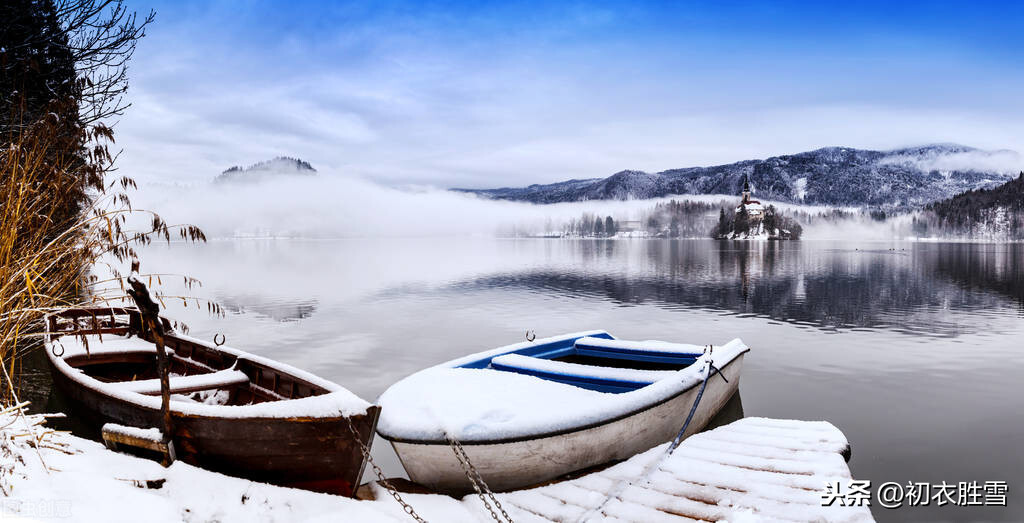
468	94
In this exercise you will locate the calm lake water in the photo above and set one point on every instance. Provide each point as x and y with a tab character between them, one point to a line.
914	350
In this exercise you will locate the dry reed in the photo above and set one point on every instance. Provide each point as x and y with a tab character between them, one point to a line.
46	262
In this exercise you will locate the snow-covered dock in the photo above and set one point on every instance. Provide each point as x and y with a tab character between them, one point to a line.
754	469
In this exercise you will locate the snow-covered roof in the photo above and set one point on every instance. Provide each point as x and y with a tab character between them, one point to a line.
752	205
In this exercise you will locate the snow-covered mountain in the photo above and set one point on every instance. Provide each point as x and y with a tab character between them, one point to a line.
280	166
838	176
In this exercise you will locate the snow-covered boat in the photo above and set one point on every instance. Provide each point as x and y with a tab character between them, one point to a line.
231	411
534	411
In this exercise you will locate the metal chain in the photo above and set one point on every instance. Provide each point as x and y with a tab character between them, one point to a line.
479	485
380	474
621	485
473	482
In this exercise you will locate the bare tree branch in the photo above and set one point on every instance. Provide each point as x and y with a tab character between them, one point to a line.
102	35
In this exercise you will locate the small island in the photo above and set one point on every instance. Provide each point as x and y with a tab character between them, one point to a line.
753	221
266	170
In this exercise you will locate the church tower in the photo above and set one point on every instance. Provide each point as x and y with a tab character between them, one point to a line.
753	207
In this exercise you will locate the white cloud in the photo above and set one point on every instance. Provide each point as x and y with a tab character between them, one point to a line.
482	105
1002	161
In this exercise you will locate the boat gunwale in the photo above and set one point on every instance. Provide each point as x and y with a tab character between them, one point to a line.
145	402
560	432
514	348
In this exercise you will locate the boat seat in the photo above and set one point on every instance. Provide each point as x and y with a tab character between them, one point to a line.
648	350
180	384
603	379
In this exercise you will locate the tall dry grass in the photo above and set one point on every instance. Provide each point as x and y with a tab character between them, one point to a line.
46	261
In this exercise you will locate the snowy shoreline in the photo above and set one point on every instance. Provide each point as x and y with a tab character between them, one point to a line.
65	477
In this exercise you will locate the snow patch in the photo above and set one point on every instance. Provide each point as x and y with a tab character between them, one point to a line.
800	186
646	345
152	433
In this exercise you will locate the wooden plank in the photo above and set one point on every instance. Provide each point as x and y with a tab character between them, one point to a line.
115	435
179	384
771	470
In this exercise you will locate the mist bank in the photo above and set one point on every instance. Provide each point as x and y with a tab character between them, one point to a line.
336	206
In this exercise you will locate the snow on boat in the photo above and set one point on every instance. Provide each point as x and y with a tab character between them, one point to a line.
534	411
231	411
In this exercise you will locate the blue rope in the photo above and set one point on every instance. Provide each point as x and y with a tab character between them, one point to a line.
712	370
620	486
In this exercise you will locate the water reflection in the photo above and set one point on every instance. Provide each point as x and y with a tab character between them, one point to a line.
275	308
909	288
982	267
731	411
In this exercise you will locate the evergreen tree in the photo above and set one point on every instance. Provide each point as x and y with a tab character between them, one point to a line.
794	228
585	227
723	226
742	224
38	85
920	227
598	228
673	228
652	224
63	69
37	70
609	226
770	221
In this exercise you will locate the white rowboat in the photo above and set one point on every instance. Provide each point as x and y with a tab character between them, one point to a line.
531	412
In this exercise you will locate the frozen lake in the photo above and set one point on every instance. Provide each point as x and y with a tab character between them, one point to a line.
912	349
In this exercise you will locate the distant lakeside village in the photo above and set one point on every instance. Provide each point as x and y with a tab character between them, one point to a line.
748	220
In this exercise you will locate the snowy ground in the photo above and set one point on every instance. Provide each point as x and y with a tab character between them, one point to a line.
73	479
752	470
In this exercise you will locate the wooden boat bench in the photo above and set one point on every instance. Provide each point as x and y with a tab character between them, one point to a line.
602	379
182	384
619	377
646	351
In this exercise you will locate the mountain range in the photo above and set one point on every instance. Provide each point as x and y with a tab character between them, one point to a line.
836	176
282	165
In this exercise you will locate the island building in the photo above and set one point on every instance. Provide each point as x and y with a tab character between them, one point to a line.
754	208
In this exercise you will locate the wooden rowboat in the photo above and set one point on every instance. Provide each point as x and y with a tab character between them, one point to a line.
232	412
534	411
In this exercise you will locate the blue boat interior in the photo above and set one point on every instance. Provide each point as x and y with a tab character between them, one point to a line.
598	356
